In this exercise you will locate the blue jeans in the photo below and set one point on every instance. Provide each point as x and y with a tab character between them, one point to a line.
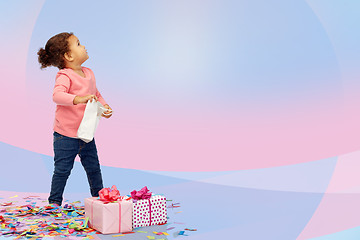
65	150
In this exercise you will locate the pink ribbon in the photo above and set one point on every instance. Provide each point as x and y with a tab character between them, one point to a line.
119	217
142	194
109	195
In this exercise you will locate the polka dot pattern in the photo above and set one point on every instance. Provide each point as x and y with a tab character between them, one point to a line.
142	214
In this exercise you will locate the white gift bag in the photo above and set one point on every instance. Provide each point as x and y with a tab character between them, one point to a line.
90	120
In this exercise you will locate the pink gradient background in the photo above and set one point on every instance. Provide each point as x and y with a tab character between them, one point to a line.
189	143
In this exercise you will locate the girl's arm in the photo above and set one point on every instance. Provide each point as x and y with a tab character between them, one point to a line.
61	89
100	98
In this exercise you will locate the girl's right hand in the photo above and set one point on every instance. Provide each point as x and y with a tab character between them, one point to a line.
84	99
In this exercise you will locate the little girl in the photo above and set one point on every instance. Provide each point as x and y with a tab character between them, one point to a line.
74	86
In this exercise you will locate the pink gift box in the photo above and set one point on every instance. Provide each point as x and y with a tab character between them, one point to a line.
147	212
109	218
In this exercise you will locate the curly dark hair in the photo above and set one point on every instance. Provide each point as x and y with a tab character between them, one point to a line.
55	48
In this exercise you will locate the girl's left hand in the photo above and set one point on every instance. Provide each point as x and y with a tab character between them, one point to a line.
108	113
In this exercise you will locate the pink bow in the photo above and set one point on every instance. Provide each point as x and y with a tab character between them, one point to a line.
109	195
142	194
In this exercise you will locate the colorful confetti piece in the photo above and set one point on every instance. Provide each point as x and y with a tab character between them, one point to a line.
190	229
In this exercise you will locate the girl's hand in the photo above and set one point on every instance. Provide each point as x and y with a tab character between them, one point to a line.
84	99
108	113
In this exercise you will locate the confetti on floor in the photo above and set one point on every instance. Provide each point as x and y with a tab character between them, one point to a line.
190	229
29	218
174	205
30	221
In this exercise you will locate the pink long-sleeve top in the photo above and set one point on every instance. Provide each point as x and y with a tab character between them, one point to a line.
68	85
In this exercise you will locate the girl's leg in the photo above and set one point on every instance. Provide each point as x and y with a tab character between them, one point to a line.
90	161
65	150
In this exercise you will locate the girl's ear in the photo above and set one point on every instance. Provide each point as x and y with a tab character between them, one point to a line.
68	57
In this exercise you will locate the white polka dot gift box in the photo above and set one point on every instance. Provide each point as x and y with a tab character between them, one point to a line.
110	213
148	209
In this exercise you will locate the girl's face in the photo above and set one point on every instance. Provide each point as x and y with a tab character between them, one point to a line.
77	51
